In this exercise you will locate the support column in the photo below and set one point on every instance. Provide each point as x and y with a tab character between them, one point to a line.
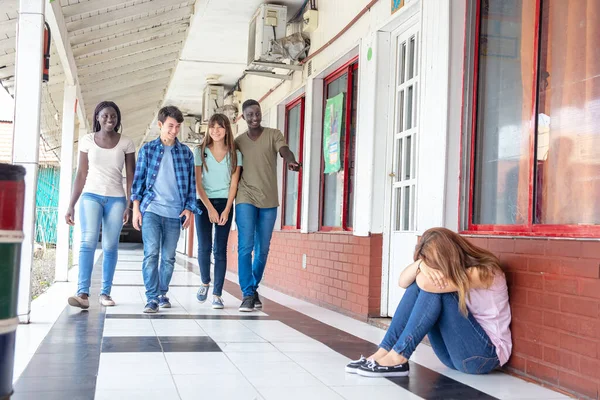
28	97
66	182
77	230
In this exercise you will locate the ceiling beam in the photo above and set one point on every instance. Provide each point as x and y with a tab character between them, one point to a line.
116	75
151	7
127	64
128	77
134	80
86	7
180	15
157	93
56	21
7	59
8	28
112	92
128	39
136	48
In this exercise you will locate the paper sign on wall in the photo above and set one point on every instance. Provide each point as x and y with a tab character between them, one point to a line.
332	133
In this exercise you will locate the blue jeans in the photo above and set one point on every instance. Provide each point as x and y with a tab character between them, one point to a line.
255	228
458	341
204	230
93	211
160	236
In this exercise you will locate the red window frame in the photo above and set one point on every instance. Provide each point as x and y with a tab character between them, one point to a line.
528	229
350	68
300	157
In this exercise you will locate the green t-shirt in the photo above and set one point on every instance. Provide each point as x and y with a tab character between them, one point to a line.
217	180
258	185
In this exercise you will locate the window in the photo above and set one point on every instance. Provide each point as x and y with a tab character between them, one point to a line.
536	142
292	181
337	188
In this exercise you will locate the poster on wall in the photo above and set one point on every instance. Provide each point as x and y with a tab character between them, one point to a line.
396	5
332	132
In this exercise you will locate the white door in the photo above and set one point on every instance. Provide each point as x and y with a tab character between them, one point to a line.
402	163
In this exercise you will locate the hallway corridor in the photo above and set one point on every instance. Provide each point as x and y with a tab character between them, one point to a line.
192	351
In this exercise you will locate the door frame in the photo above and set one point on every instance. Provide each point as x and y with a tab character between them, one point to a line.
402	27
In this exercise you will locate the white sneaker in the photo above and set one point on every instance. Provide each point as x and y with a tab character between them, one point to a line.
106	300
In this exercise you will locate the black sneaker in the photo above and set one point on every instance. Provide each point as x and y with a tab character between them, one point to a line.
257	302
374	370
356	364
247	304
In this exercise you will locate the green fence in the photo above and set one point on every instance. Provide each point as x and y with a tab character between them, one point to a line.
47	205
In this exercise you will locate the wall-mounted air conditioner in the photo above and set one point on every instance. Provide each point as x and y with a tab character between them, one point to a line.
267	24
212	100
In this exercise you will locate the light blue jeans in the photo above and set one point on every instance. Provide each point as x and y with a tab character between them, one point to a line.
160	236
458	341
93	211
255	228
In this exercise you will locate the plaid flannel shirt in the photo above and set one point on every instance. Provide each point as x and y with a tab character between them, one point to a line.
146	169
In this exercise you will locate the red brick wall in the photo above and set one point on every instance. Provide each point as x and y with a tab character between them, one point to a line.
343	272
555	297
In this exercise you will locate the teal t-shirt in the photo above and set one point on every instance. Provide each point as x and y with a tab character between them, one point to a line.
217	180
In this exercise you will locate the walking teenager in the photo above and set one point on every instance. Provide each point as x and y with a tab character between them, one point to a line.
257	199
102	156
218	167
164	199
456	294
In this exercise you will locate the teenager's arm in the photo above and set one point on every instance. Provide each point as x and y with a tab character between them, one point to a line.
129	172
289	158
235	178
138	187
213	215
408	276
427	285
190	201
82	172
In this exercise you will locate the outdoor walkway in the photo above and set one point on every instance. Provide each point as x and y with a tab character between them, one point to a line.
292	350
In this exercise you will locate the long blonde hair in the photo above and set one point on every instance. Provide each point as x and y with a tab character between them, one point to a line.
450	253
223	121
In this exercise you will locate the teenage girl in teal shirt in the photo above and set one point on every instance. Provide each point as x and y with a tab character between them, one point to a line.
218	166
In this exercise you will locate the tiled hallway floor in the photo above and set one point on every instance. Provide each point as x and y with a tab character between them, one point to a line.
292	350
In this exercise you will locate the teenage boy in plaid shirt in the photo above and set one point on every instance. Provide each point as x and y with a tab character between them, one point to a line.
164	199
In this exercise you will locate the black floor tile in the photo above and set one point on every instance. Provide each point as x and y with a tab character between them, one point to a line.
57	395
188	344
81	384
60	369
134	344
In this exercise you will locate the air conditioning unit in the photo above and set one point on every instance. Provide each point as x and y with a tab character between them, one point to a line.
212	99
268	24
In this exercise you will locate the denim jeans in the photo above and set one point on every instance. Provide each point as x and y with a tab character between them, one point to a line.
458	341
255	228
160	236
93	211
204	230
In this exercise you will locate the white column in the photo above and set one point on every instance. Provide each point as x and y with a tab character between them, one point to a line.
66	181
433	131
77	229
28	96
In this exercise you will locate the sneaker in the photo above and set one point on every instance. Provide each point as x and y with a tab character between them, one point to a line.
151	307
163	302
247	304
217	303
79	301
106	301
257	302
374	370
202	293
353	366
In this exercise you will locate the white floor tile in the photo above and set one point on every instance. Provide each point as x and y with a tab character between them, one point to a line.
121	365
135	382
257	359
200	363
300	393
173	327
218	386
291	347
140	394
282	374
247	347
375	392
128	327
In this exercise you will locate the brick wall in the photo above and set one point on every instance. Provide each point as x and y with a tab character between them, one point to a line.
555	297
343	272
